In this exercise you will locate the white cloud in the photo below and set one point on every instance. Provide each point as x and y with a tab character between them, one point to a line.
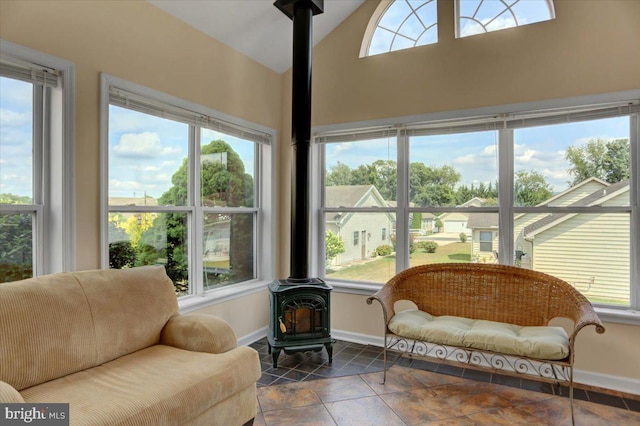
13	119
471	27
143	145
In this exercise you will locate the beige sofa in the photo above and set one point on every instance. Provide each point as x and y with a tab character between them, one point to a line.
112	344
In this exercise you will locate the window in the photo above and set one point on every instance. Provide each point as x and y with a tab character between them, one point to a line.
184	189
403	24
355	204
486	241
483	16
550	190
36	206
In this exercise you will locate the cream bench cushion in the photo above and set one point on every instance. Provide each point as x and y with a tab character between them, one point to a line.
548	343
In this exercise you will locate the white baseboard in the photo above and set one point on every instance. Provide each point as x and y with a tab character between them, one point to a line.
606	381
253	337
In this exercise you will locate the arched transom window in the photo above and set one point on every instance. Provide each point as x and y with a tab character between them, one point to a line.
404	24
482	16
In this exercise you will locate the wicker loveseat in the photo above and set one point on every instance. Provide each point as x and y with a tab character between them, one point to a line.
486	316
112	345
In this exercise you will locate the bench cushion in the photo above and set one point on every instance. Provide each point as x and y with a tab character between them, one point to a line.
549	343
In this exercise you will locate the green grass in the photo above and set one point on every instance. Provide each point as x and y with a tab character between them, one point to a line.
382	269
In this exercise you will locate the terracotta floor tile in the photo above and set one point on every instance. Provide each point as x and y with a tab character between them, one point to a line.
286	396
428	378
503	416
363	411
399	379
313	415
615	416
454	421
341	388
419	406
470	398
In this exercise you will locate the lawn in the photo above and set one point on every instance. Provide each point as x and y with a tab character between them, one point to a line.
383	268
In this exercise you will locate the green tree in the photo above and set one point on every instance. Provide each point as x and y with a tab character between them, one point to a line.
334	245
340	174
16	241
531	188
433	186
607	160
224	184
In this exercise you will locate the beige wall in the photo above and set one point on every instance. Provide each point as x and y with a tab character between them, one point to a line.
590	48
138	42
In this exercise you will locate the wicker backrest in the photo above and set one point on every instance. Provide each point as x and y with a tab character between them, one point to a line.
487	291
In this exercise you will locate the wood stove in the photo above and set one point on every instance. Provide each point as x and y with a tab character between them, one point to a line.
299	305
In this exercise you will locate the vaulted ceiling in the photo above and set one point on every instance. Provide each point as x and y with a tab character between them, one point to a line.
255	28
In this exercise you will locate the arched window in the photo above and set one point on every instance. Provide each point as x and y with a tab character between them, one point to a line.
402	24
483	16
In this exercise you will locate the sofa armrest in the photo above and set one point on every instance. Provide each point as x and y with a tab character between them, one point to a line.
9	394
198	333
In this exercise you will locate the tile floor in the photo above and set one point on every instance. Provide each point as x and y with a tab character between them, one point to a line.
306	390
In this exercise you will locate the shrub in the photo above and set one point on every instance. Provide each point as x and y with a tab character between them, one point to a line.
430	246
121	255
463	237
384	250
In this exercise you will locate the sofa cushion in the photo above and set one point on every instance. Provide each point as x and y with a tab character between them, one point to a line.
550	343
129	308
46	330
159	385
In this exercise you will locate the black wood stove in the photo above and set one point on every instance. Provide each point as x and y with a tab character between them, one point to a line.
299	305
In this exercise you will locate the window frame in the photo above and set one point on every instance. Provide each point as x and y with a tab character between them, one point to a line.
503	120
53	205
264	174
484	241
458	17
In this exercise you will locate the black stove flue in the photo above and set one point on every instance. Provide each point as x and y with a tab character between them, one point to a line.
299	305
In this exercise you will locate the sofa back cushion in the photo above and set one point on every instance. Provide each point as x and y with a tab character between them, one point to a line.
129	308
58	324
45	330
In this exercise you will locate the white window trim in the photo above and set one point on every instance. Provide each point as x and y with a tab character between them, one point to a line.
58	241
327	132
265	175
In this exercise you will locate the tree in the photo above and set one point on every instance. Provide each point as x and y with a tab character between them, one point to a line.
224	184
334	245
432	186
16	242
531	188
599	158
340	174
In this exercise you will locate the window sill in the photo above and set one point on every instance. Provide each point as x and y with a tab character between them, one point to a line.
618	316
220	295
607	315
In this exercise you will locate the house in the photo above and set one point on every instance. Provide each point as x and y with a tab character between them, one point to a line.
568	245
562	64
456	222
361	233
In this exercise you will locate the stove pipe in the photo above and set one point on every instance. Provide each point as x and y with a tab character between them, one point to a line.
301	12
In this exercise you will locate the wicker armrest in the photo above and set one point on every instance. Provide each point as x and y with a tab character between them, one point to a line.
385	297
583	315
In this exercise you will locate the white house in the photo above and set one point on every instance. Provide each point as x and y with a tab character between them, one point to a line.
362	233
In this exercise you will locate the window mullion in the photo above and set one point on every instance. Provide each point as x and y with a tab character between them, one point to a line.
634	145
402	204
505	196
196	218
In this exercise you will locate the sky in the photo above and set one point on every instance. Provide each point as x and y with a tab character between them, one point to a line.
145	151
474	155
